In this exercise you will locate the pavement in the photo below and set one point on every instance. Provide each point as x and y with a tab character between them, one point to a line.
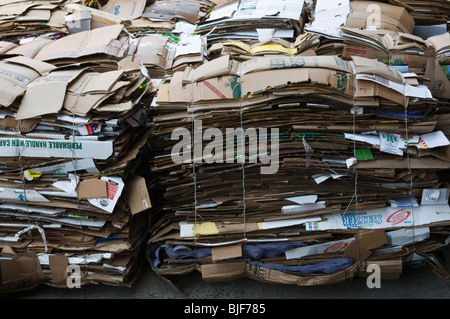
414	283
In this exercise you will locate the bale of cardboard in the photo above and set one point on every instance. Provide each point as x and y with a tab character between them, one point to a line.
293	142
338	124
74	130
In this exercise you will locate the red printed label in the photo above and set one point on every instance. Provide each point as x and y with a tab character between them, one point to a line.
112	190
336	247
358	51
215	90
398	217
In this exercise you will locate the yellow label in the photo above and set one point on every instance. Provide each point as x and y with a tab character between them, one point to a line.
208	228
29	176
263	48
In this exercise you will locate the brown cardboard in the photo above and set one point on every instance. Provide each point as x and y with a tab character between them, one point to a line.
126	9
17	73
226	252
150	51
21	272
438	83
392	17
414	61
58	266
369	66
223	271
92	188
136	195
370	89
261	74
273	276
414	163
217	67
88	90
6	46
365	241
30	49
282	62
50	90
98	41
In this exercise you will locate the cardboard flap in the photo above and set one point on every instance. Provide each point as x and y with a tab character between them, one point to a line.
223	271
365	241
136	195
21	272
49	90
42	67
96	41
92	188
369	66
226	252
58	266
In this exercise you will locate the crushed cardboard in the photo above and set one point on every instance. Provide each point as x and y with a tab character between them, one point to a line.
92	93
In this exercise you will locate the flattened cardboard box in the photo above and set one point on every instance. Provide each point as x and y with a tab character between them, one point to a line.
43	148
413	61
97	41
20	272
49	90
384	218
92	188
16	73
438	83
274	276
136	194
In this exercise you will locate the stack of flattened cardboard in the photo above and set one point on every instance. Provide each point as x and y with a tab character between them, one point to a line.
342	145
164	34
163	55
22	19
427	13
372	30
73	129
255	20
285	151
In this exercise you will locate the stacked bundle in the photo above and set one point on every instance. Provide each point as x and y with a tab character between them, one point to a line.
24	19
254	20
370	29
163	55
428	13
234	206
73	132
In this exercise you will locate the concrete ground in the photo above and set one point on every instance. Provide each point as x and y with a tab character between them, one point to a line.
414	283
